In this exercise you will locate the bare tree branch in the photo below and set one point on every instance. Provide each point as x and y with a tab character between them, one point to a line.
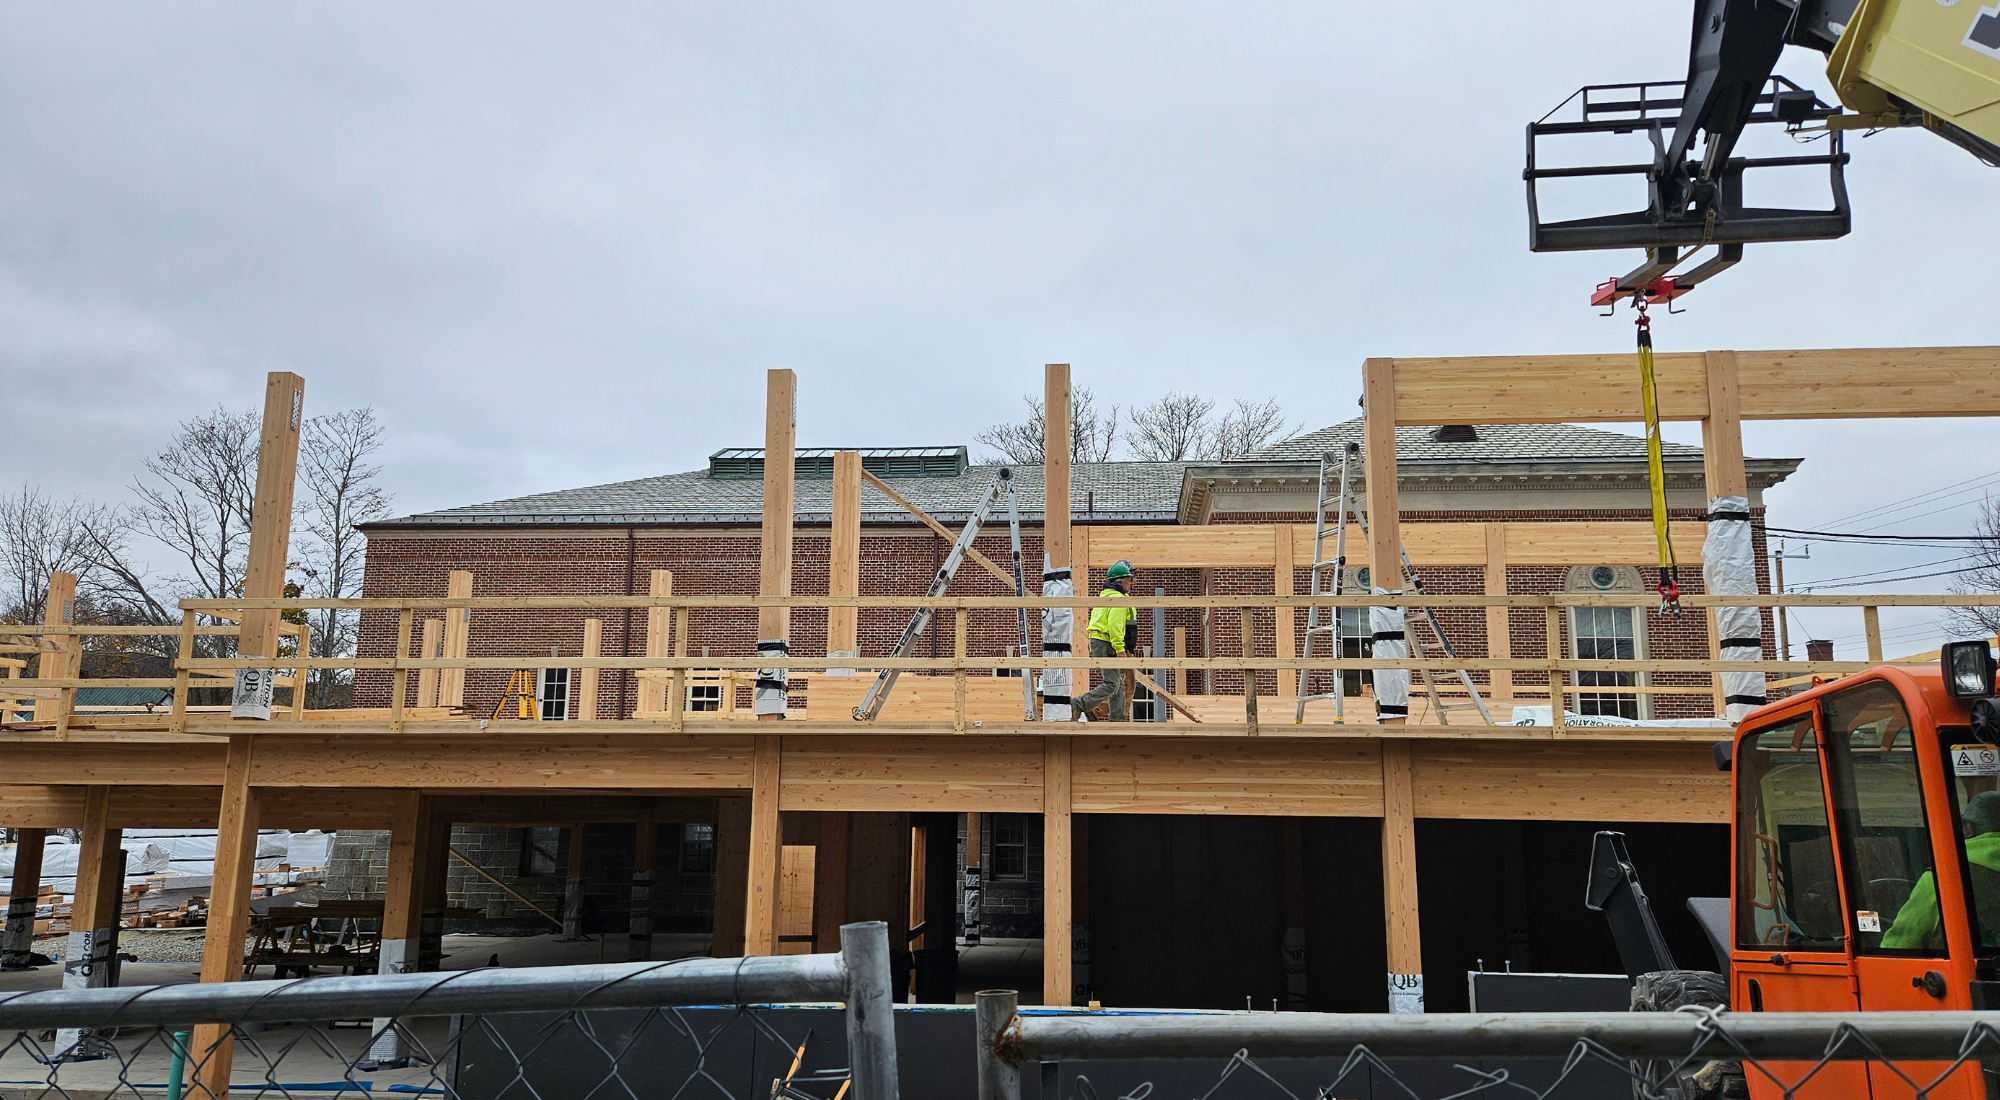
1175	428
340	494
196	498
38	535
1249	426
1982	579
1092	436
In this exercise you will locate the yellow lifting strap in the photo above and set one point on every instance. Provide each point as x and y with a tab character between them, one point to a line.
1649	393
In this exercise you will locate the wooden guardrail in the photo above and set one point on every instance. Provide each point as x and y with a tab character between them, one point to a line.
193	672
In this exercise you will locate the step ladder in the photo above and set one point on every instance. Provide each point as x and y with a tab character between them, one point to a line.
1346	503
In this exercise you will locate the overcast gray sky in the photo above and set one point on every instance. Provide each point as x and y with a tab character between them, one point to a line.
558	245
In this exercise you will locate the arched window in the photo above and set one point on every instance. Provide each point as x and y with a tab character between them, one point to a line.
1608	633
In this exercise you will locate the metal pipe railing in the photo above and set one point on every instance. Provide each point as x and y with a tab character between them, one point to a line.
1007	1041
858	976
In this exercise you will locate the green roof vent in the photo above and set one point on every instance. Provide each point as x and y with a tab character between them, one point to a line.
747	463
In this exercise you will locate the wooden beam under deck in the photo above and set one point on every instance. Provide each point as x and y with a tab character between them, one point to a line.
170	786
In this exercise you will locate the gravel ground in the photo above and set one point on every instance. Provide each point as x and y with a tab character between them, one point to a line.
143	944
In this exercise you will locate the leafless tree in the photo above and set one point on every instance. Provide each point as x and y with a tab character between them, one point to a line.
196	498
340	493
1175	428
1247	427
1981	579
1093	436
39	534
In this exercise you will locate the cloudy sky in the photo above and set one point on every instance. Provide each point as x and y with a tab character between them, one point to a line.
558	245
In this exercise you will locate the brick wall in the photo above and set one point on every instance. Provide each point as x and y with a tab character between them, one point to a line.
725	563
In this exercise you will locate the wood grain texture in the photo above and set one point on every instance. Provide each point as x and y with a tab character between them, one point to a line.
760	920
457	639
844	555
57	609
830	882
774	571
1379	379
666	761
1203	776
732	875
912	774
1399	860
1722	428
1056	510
1499	636
1058	978
1285	627
271	510
229	908
1570	781
1820	384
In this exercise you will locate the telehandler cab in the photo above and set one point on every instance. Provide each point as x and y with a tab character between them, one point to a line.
1866	835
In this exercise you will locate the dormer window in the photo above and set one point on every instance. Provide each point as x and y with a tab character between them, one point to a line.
1456	433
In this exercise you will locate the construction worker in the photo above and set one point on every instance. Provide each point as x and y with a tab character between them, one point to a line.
1108	625
1916	925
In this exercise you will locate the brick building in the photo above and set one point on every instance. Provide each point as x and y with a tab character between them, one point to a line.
703	526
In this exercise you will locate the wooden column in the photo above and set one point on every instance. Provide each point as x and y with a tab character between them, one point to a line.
732	861
1378	452
19	943
1057	979
1722	429
91	958
1499	636
645	853
271	509
402	912
1055	468
59	609
844	562
1281	584
774	577
427	679
572	912
760	924
1294	951
586	690
1399	879
457	639
653	693
830	881
228	908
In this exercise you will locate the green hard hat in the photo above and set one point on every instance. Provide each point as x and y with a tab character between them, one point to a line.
1119	568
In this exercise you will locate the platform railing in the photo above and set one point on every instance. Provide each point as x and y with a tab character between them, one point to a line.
197	672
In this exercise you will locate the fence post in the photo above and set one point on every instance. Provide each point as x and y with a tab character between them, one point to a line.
871	1022
995	1010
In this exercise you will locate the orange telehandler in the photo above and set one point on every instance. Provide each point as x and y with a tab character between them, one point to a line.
1866	834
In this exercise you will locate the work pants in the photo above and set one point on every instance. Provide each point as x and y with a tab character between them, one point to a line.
1112	688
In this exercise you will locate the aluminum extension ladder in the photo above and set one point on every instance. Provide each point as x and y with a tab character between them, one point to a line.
885	679
1346	503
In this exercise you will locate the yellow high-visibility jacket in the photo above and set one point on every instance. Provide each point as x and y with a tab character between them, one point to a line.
1108	623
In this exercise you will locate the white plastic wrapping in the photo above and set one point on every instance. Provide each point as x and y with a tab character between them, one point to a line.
1543	716
772	683
1392	685
1058	624
1729	568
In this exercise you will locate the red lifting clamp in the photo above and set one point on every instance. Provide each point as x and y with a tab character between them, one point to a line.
1659	290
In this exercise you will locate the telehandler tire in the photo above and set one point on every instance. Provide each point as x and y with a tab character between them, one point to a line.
1665	991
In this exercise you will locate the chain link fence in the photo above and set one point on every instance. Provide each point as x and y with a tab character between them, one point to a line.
697	1028
1686	1055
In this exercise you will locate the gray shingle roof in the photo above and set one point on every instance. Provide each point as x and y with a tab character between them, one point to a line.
1497	443
1128	491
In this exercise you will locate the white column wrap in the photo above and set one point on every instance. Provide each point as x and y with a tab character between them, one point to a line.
770	697
1729	567
1058	625
1392	686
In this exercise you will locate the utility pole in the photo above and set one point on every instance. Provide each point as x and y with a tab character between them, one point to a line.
1778	557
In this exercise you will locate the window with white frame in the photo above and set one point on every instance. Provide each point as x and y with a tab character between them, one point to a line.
1608	634
553	695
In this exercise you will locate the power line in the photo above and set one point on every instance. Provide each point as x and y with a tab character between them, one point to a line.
1892	580
1878	572
1865	537
1904	503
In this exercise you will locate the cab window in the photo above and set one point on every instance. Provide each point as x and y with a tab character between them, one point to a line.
1878	799
1972	770
1787	894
